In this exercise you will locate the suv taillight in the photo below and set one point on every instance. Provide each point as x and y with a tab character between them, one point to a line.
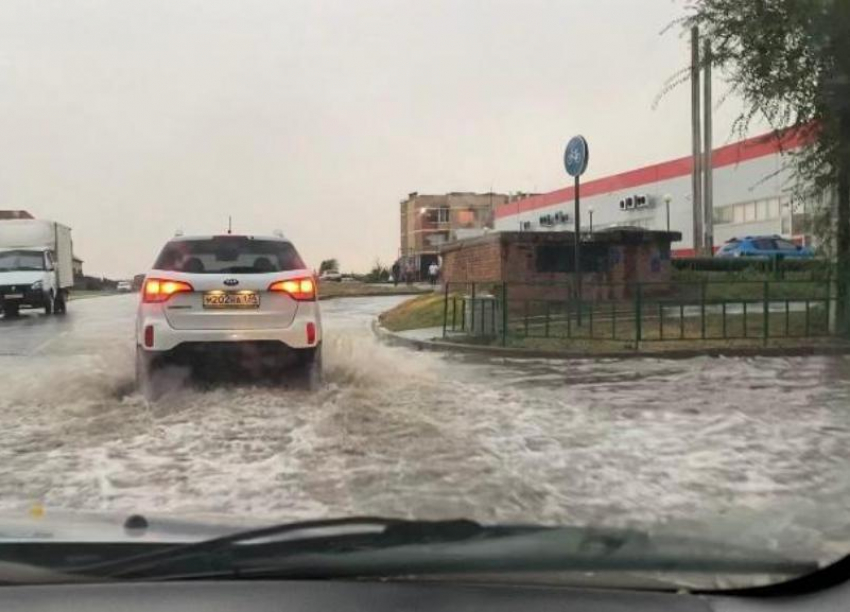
159	290
302	289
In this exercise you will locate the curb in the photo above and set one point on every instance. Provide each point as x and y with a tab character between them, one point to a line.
366	294
395	339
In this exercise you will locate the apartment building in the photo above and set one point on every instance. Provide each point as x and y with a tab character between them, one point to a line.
429	221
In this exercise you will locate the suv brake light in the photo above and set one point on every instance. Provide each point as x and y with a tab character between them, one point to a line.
302	289
159	290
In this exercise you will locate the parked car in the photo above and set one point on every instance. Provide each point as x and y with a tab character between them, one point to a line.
124	287
233	299
331	275
764	247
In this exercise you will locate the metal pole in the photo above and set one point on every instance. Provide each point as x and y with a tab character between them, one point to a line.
708	177
696	186
578	251
590	212
445	309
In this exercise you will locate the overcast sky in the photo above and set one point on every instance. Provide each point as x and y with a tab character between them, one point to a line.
129	119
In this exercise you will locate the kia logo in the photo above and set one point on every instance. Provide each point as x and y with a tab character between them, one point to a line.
231	282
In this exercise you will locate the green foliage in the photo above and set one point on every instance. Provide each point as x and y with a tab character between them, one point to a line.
328	265
378	274
789	61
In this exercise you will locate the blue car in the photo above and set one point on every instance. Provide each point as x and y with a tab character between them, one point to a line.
766	247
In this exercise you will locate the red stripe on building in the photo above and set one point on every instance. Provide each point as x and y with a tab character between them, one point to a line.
735	153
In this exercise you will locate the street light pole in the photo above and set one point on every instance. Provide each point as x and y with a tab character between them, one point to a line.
667	199
590	212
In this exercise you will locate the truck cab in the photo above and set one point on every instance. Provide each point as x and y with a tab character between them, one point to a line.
36	268
28	279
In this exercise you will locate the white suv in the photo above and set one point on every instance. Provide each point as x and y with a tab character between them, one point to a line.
212	298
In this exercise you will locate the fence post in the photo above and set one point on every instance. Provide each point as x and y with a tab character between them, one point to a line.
504	313
613	320
472	311
445	308
638	315
766	313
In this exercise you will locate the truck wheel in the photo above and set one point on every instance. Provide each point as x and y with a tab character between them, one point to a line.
60	306
147	379
11	309
48	303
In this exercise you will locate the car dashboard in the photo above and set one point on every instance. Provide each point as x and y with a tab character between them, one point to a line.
374	596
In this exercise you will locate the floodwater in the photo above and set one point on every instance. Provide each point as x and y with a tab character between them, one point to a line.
753	450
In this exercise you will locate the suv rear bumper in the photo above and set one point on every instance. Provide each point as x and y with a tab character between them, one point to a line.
166	338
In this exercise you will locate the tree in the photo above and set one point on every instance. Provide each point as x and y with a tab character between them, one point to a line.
328	265
789	62
378	274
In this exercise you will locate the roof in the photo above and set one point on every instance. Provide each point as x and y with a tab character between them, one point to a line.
279	238
25	248
735	153
15	214
618	235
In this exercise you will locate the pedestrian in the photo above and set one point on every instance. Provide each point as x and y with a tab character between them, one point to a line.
396	273
433	272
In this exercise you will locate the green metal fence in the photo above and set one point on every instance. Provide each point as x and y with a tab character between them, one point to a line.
644	312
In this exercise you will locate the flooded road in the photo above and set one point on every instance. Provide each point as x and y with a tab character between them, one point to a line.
754	450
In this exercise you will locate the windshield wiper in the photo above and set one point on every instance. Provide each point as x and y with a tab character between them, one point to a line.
369	547
329	535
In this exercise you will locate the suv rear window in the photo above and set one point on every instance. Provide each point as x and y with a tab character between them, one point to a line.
229	255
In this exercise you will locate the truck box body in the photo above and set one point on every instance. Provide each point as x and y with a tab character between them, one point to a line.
29	233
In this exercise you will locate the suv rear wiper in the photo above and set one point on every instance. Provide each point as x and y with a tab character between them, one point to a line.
341	535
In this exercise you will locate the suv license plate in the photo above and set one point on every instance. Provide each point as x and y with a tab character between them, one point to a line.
231	299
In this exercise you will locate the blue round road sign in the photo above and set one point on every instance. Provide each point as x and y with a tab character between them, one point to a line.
576	156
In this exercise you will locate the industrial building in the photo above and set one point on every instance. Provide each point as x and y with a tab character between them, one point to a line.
751	196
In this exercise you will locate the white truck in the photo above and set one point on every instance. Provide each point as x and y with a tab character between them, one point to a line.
36	265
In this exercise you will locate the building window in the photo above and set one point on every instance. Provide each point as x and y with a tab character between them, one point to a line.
465	218
723	215
442	215
552	258
747	212
773	208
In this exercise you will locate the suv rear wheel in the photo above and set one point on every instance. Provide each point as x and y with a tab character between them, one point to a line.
310	367
148	378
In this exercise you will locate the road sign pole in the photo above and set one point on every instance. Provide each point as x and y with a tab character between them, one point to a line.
576	157
578	251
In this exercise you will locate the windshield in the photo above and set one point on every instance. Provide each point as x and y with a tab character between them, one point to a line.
21	260
229	254
540	289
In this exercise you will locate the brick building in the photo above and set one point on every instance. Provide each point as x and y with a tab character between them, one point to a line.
429	221
542	264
